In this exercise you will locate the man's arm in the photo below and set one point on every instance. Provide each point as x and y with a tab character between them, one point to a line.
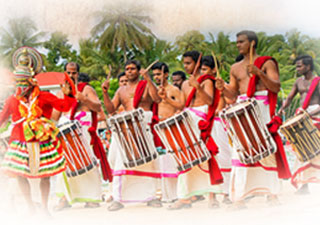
291	95
178	102
230	90
270	78
89	98
151	87
111	106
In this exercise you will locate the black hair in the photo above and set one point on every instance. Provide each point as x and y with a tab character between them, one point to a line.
135	62
77	65
180	73
193	54
209	61
159	65
83	77
306	60
121	75
251	35
239	58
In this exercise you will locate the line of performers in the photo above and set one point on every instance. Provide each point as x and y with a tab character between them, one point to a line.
182	141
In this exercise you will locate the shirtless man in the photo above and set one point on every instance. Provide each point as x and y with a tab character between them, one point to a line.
196	182
304	67
142	188
172	102
268	76
87	101
178	77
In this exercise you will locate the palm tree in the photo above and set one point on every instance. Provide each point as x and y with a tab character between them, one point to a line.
20	32
191	40
122	28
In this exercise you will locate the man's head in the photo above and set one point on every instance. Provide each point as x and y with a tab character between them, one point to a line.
190	60
122	79
83	77
304	64
178	77
208	65
244	39
132	68
157	70
72	70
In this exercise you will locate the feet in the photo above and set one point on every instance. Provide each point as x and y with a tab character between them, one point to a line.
92	205
273	200
115	206
63	204
155	203
304	190
214	204
110	199
226	200
181	204
197	198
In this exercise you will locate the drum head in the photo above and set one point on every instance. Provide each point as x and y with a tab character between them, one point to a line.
294	120
239	107
67	127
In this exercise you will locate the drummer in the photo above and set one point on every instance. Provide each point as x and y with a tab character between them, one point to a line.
138	184
309	89
220	136
172	102
78	188
264	85
202	99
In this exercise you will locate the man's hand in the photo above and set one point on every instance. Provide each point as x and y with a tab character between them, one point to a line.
281	111
106	84
252	69
144	73
162	93
80	97
193	82
66	88
220	83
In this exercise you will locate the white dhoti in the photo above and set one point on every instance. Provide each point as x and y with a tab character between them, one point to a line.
196	181
86	187
251	179
307	172
135	184
224	156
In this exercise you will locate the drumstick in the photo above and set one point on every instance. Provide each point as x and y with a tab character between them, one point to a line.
149	67
197	65
216	64
251	55
109	72
162	75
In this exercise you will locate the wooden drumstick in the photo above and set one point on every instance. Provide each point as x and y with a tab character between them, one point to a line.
197	65
251	55
216	64
109	72
149	67
162	75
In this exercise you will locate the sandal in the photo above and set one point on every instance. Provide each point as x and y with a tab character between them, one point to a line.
197	198
226	200
214	204
155	203
92	205
180	205
115	206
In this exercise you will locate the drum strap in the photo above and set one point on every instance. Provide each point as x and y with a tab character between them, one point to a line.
205	127
274	124
312	88
96	143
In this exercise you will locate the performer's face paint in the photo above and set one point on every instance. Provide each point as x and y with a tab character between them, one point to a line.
132	72
188	64
243	44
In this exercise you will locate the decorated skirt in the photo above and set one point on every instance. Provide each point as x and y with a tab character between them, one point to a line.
34	159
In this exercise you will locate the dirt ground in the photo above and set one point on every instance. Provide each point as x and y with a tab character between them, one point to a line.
294	209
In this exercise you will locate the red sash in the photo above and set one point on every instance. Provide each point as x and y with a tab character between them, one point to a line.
205	127
155	119
312	88
97	146
273	126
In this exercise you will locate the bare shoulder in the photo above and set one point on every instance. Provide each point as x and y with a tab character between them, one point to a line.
173	89
88	89
235	67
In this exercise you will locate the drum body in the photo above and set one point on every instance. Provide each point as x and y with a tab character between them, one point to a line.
303	135
250	137
77	150
181	139
134	137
